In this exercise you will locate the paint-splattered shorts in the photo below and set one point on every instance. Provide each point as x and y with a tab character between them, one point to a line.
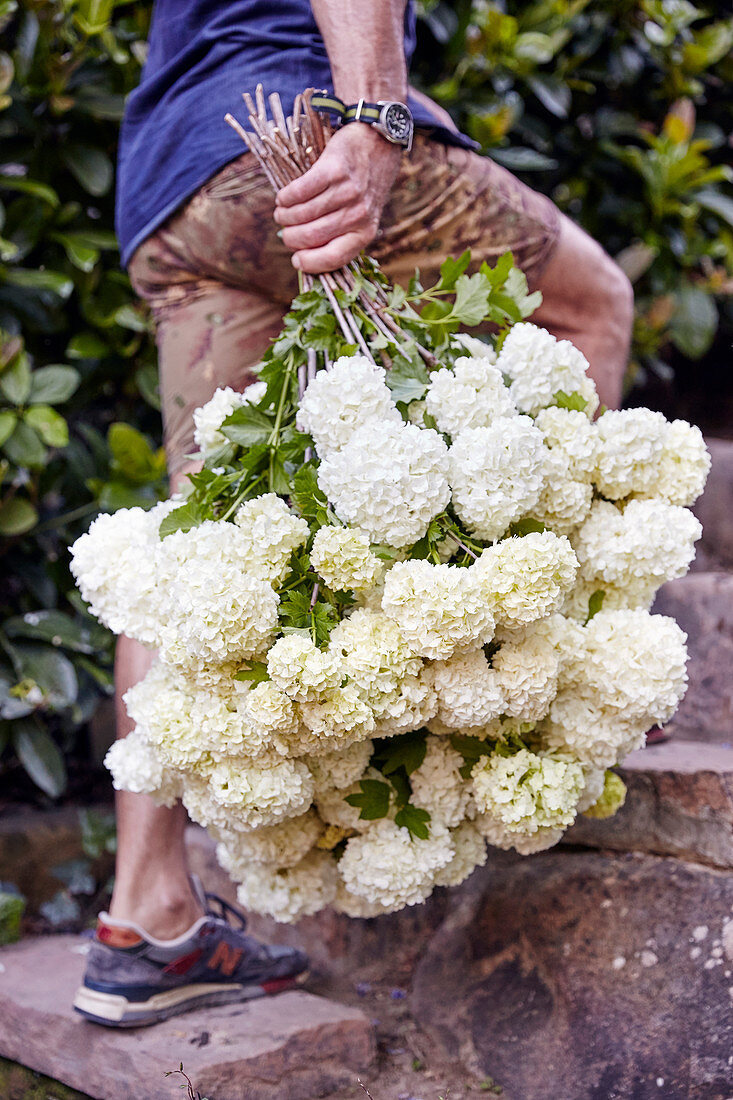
219	279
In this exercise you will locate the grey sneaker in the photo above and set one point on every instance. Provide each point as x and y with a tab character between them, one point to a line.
132	979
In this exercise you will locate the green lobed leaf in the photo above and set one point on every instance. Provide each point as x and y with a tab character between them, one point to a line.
254	672
574	401
183	518
372	801
472	295
407	751
415	820
471	749
247	426
407	380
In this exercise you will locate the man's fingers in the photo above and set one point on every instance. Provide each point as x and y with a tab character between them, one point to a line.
333	255
336	197
315	234
326	172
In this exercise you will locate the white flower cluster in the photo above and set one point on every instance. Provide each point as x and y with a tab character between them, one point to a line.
490	651
210	417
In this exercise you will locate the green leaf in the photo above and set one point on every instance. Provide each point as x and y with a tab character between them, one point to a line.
407	751
8	420
54	627
526	526
90	166
51	671
247	426
17	516
472	296
24	447
307	497
50	425
450	269
40	757
414	820
694	322
407	380
15	380
29	187
595	603
86	345
717	203
553	93
28	279
184	518
253	672
53	385
133	456
471	749
297	613
373	801
574	401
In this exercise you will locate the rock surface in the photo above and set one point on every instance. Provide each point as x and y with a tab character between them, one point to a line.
702	603
679	802
294	1045
587	977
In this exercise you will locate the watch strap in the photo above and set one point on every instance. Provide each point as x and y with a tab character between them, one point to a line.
363	112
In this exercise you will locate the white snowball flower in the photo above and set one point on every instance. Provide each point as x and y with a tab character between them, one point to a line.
525	578
564	503
388	866
353	906
136	767
302	670
283	845
527	791
351	395
540	367
114	565
629	451
496	474
339	710
342	556
641	547
471	395
496	833
470	853
437	785
594	734
389	479
188	726
438	608
336	770
289	893
269	534
683	466
270	711
409	707
474	346
373	653
526	669
249	793
571	437
213	610
469	691
210	417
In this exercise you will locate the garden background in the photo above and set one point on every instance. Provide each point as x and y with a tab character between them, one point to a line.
620	110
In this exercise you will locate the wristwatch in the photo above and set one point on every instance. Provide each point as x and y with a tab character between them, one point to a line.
390	118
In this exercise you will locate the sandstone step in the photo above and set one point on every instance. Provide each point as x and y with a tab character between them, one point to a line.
295	1046
702	603
714	509
679	802
586	976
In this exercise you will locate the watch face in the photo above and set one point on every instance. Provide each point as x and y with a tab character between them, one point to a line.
397	120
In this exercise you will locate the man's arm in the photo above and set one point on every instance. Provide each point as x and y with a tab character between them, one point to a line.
333	211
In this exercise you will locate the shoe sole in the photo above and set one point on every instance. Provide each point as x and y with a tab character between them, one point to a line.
115	1010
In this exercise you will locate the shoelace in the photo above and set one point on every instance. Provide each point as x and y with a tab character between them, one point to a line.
222	910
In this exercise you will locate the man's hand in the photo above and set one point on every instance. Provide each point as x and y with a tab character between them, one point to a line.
333	211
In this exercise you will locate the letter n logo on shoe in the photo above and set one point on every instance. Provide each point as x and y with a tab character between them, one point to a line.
225	958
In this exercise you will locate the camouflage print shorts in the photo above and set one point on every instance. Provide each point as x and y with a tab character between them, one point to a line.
218	278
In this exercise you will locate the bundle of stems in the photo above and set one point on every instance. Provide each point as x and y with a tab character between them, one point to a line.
286	147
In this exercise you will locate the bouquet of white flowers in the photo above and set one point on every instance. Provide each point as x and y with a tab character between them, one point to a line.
403	610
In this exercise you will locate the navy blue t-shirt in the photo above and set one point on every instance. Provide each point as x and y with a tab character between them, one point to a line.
202	55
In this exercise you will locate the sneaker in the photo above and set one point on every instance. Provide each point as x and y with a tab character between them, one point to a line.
133	980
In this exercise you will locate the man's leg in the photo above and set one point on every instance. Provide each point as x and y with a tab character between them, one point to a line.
209	335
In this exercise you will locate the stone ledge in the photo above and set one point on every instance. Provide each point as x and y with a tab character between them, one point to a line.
294	1045
680	803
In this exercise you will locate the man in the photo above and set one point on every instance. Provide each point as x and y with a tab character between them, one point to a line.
195	220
